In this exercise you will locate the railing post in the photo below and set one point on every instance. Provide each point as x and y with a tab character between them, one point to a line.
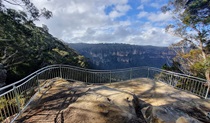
60	71
131	73
110	77
37	79
86	76
207	92
148	72
16	96
171	76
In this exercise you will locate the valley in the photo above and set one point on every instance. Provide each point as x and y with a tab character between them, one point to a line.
118	56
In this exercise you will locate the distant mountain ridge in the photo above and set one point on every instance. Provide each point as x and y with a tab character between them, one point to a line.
117	56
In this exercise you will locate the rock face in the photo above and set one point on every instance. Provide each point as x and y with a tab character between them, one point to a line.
186	120
166	114
118	56
103	104
80	103
160	103
136	101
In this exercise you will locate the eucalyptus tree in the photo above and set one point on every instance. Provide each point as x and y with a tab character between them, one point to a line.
192	24
15	32
33	12
24	47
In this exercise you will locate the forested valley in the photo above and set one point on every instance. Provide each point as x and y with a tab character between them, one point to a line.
118	56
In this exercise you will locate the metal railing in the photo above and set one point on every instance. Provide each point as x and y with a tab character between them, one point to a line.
191	84
14	98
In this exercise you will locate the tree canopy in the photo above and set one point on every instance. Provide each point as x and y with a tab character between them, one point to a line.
192	25
24	47
33	12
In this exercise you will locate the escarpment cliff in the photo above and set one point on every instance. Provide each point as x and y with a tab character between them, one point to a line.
117	56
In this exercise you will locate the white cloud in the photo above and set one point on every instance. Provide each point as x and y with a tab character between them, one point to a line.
123	8
156	5
86	21
150	35
145	1
160	16
8	5
143	14
119	10
115	14
141	7
155	16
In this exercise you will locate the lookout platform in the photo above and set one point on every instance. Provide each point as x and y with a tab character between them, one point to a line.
75	102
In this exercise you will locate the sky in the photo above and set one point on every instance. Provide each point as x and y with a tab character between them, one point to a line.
138	22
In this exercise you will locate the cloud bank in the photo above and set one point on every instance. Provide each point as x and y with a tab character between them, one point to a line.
107	21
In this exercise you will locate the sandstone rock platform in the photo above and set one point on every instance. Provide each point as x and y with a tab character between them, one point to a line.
136	101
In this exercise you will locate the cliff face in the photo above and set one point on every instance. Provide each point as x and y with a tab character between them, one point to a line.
115	56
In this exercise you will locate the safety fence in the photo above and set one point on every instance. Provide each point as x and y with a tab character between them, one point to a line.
15	98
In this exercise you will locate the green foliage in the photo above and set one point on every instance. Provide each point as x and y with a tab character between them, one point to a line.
197	11
197	65
198	69
29	48
9	107
174	67
191	24
33	12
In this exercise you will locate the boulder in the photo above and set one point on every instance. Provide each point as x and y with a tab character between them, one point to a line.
187	120
102	104
166	114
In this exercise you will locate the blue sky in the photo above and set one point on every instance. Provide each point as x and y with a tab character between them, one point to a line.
139	22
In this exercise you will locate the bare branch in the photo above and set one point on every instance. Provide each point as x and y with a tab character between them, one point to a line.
13	3
6	40
13	64
5	54
4	61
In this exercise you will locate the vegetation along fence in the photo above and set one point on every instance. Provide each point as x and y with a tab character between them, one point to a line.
14	98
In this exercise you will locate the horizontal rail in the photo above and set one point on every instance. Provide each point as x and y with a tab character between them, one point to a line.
14	98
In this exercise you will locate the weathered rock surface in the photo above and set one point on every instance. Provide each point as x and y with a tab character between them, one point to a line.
167	103
76	103
166	114
102	104
124	102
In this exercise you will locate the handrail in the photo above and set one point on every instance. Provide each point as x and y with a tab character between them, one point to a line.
180	74
14	98
19	81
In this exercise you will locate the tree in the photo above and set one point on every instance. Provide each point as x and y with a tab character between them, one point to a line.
13	33
192	25
24	47
33	12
